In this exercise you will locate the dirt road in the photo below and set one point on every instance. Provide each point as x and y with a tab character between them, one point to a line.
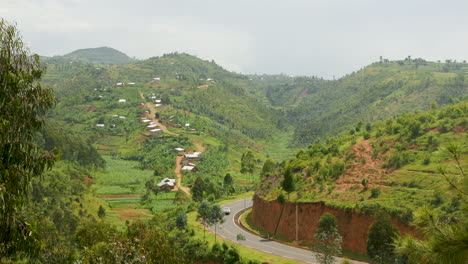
152	109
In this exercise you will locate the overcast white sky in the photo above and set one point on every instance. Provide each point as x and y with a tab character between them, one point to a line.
298	37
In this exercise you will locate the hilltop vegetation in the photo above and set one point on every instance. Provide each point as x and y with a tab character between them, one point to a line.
390	165
102	55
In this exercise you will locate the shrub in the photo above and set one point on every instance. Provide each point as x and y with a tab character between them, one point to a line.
375	192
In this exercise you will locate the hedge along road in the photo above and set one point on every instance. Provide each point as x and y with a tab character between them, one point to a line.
230	228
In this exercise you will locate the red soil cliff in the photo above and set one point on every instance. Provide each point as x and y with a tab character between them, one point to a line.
352	226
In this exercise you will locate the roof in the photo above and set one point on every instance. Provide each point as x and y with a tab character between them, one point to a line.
157	105
155	130
122	100
167	181
187	124
100	125
151	126
179	149
157	101
194	155
145	120
189	168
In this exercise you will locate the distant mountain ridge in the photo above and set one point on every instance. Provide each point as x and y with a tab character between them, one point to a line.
101	55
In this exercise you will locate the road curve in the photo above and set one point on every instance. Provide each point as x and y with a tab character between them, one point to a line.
229	230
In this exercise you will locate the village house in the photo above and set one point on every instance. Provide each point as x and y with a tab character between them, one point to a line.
145	120
100	125
155	131
168	182
191	157
189	168
152	126
180	151
122	100
119	84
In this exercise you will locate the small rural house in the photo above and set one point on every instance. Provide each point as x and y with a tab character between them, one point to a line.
189	168
145	120
168	182
122	100
100	125
119	84
155	131
180	151
191	157
153	126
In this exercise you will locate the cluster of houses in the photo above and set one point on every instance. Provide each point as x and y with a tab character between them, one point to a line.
157	102
190	156
153	127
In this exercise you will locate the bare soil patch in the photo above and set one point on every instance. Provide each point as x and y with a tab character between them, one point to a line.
91	108
131	214
364	166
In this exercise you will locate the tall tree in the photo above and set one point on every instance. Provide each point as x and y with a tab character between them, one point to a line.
197	189
204	211
23	103
216	217
380	239
288	182
328	240
247	163
268	167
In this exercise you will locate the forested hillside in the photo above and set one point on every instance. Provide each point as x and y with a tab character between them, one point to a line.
319	108
391	165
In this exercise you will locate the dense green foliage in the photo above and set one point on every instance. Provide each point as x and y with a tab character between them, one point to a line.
380	240
23	102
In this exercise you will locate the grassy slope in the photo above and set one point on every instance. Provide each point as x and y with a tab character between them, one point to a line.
404	168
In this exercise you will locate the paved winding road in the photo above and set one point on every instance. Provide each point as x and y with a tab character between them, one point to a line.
230	229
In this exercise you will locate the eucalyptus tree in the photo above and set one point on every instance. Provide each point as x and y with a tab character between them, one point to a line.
23	103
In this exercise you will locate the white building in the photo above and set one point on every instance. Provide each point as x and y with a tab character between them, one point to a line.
122	100
167	181
155	131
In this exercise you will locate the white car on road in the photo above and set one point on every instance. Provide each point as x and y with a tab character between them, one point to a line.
226	210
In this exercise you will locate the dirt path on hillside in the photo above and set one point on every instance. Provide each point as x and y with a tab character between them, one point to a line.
199	146
152	109
178	172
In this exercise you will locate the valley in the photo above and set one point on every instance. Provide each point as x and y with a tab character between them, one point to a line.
146	146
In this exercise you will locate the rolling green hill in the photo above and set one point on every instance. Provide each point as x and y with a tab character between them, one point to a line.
319	108
102	55
391	165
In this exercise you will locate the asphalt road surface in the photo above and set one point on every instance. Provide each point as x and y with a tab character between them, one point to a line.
229	230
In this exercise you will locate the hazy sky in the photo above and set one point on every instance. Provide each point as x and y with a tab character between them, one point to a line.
316	37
